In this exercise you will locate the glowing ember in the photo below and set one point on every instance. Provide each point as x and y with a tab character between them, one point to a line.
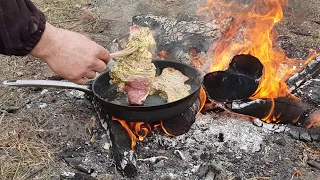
251	32
195	59
162	55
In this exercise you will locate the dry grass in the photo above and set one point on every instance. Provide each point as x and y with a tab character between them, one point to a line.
23	155
68	14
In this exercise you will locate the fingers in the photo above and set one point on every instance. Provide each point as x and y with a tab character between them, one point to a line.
99	66
90	75
104	55
80	81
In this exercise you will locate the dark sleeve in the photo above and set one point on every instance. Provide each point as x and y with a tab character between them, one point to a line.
21	26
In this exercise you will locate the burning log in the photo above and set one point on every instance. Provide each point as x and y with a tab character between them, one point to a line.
125	158
182	123
238	84
281	110
284	110
239	81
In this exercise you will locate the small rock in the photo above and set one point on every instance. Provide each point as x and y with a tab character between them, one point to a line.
258	122
203	170
106	146
179	154
19	74
44	91
194	157
43	105
68	175
94	174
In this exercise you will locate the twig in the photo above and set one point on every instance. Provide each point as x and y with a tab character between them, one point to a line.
301	33
314	164
310	150
153	160
297	172
2	115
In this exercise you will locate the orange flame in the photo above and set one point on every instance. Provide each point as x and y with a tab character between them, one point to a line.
195	59
140	130
251	32
203	98
135	129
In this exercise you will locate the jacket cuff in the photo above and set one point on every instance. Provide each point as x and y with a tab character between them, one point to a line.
36	28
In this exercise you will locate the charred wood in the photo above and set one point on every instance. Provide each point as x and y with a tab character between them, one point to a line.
309	92
311	71
285	110
125	158
181	33
239	81
304	134
182	123
314	164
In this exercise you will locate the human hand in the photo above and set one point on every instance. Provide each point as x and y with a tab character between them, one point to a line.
71	55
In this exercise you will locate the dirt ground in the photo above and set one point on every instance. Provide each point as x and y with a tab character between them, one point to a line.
37	124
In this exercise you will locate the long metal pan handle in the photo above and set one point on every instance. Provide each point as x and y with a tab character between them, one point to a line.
47	83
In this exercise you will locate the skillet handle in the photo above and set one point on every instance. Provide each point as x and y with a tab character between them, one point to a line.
48	83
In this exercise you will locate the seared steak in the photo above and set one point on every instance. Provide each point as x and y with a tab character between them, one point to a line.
170	85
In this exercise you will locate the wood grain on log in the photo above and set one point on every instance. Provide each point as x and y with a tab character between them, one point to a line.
183	31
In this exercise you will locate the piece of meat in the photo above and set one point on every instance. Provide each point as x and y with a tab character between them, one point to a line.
129	70
137	90
170	85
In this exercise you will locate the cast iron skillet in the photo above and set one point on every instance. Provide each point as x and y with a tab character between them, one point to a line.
154	108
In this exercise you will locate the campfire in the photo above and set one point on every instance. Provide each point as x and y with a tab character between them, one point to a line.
245	71
250	32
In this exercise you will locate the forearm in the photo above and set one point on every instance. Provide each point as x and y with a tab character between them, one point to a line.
21	27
